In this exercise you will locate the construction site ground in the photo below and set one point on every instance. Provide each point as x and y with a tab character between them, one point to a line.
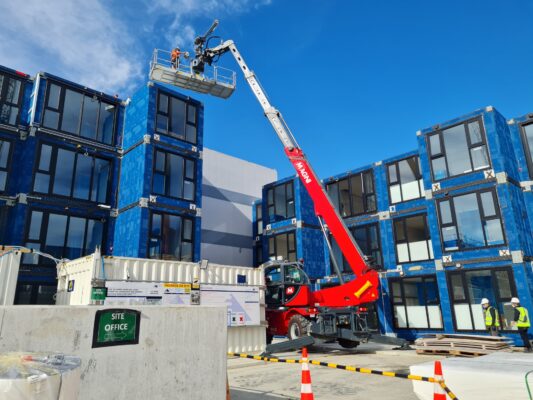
255	380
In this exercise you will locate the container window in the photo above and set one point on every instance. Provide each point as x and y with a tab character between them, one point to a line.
5	152
527	141
71	174
282	247
280	200
176	118
458	150
11	91
79	114
405	180
471	221
171	237
412	239
174	176
354	195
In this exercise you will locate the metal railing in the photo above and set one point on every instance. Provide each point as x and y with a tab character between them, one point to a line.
217	74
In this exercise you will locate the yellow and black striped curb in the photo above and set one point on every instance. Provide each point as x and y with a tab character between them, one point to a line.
351	369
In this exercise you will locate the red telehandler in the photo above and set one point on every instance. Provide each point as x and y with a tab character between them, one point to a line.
338	313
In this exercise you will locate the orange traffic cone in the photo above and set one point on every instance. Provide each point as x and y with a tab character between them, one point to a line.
438	392
306	392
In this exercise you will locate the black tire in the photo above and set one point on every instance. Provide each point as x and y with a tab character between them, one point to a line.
347	344
269	338
298	327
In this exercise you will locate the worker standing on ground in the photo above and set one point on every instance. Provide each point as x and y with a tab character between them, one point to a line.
175	57
521	321
492	318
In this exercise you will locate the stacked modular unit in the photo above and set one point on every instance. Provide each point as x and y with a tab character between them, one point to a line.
289	222
160	177
63	178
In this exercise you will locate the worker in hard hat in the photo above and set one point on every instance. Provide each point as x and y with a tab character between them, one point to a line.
492	318
521	321
175	57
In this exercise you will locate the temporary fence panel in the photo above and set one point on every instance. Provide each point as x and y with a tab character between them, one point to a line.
9	269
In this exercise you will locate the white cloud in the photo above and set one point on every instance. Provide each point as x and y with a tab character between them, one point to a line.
84	41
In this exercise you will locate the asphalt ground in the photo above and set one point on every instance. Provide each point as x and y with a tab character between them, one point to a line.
255	380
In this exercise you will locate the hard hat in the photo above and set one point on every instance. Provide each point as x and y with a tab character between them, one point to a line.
485	301
515	300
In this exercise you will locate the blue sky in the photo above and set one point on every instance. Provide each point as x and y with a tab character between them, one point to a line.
354	80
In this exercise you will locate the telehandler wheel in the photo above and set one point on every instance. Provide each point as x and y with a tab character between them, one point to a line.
347	344
297	327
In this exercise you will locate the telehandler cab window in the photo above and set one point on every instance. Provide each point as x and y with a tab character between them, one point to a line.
293	274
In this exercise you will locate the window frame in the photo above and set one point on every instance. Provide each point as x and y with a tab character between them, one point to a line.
440	133
483	218
43	230
61	109
3	90
7	169
169	117
289	251
166	174
494	281
399	181
365	195
403	303
525	146
259	220
161	236
403	220
52	172
274	204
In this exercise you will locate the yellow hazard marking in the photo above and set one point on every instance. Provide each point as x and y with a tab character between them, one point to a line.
386	373
363	289
332	365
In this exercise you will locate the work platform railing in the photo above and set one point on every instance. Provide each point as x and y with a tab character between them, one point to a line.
216	81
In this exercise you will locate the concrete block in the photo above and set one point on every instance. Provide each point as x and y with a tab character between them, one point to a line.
181	351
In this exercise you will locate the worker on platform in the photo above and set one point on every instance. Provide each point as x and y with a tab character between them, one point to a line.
521	321
175	57
492	318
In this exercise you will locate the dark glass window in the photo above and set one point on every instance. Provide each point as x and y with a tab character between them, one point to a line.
70	111
416	303
176	118
174	176
258	254
412	239
280	202
354	195
368	240
471	220
468	287
259	218
61	235
282	246
35	293
67	173
5	152
405	180
11	91
527	140
171	237
458	150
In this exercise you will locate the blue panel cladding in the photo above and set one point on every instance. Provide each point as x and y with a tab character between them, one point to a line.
136	117
310	244
381	187
515	218
304	206
135	176
26	103
499	146
129	228
518	145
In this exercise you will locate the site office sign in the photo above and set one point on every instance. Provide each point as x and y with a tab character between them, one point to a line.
115	327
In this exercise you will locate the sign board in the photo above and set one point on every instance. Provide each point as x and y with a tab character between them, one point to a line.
98	293
242	302
114	327
70	287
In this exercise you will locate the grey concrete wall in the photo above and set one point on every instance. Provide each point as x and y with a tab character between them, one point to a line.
181	352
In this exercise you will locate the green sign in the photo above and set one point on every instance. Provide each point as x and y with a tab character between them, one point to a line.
114	327
98	293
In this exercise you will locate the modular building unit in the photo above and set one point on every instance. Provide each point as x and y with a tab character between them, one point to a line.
121	280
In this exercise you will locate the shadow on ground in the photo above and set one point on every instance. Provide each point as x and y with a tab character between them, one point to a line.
244	394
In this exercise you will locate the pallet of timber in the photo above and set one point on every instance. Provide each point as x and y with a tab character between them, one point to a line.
461	345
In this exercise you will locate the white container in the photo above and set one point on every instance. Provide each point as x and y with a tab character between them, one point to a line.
76	279
9	269
39	376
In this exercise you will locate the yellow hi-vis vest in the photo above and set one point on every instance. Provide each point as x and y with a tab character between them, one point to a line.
523	319
488	317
